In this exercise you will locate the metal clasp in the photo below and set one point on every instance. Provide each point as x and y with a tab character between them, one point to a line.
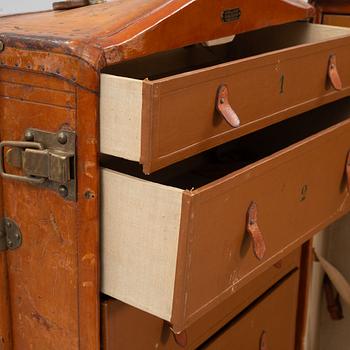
45	159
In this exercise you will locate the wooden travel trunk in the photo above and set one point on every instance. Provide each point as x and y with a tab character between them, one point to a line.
174	156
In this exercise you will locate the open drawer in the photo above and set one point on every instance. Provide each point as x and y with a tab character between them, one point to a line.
179	242
164	108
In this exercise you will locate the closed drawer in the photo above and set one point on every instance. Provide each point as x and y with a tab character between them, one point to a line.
120	322
269	324
179	242
337	20
155	117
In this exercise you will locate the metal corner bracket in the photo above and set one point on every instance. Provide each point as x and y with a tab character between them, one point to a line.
10	235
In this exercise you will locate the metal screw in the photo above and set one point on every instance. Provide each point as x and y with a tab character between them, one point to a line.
63	191
2	46
89	195
29	135
62	138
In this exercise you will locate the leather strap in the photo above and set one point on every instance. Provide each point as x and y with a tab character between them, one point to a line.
259	246
180	338
333	74
332	299
338	280
224	108
263	341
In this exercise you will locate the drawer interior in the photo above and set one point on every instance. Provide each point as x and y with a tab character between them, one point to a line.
218	162
244	45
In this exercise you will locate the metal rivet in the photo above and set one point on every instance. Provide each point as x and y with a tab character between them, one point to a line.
63	191
8	224
2	46
222	100
62	138
89	195
9	243
29	135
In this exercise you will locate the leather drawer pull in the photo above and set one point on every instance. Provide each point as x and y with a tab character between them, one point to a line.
333	302
333	74
224	108
180	338
263	341
253	229
348	170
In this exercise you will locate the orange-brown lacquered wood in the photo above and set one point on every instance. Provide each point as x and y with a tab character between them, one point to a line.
119	321
257	328
88	219
287	217
163	144
125	29
5	311
54	275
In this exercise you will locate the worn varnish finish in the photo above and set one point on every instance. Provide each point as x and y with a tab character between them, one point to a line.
118	30
50	78
256	329
54	276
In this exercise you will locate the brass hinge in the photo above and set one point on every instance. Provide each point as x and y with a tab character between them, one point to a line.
45	159
10	235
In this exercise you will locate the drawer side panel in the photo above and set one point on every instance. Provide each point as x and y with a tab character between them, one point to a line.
140	225
121	112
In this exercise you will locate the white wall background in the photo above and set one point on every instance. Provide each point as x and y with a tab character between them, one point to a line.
16	6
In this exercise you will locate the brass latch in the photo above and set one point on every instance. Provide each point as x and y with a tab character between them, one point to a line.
45	159
10	235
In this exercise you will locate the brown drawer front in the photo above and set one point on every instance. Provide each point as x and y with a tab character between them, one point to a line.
269	325
162	121
179	253
120	322
337	20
